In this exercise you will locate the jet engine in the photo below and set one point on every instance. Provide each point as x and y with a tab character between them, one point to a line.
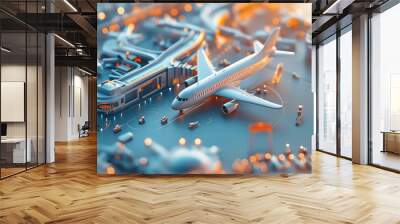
230	107
190	81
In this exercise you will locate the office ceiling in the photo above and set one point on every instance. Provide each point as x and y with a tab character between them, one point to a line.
331	15
75	21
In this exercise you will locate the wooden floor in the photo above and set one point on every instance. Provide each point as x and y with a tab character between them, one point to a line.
387	159
69	191
10	171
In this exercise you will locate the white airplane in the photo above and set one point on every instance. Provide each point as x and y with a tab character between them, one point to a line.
226	82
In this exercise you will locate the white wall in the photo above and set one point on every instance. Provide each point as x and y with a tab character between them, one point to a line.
80	105
33	127
71	102
61	103
11	73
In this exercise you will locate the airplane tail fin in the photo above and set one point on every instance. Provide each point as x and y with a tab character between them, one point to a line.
269	45
204	65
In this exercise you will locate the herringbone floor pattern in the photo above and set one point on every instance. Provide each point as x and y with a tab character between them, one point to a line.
69	191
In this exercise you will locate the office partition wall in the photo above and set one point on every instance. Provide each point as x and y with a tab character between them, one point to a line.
385	89
13	86
22	88
334	111
327	95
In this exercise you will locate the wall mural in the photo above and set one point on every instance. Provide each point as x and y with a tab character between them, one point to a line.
204	88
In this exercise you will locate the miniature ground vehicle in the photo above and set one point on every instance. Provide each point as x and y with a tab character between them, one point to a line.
193	124
164	120
141	120
117	128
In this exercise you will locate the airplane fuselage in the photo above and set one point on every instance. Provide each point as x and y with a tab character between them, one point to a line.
228	76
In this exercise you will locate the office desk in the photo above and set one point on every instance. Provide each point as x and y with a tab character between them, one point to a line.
391	141
16	147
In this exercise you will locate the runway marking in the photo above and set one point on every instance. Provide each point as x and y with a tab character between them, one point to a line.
284	104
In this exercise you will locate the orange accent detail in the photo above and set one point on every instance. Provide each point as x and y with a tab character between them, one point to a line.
301	35
188	7
275	21
104	106
260	127
110	170
114	27
253	159
104	30
173	12
293	23
131	27
278	74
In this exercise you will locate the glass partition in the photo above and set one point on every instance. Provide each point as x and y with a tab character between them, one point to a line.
13	92
22	88
327	96
346	93
385	89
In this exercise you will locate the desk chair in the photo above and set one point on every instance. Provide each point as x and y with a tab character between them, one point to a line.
84	130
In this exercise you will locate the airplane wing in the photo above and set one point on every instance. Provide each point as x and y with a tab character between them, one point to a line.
241	95
257	46
283	53
204	66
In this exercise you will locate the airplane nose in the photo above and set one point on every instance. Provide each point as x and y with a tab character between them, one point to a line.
174	104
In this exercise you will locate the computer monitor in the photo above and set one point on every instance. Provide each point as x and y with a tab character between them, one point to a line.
3	129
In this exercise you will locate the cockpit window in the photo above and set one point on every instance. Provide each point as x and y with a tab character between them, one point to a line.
181	99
